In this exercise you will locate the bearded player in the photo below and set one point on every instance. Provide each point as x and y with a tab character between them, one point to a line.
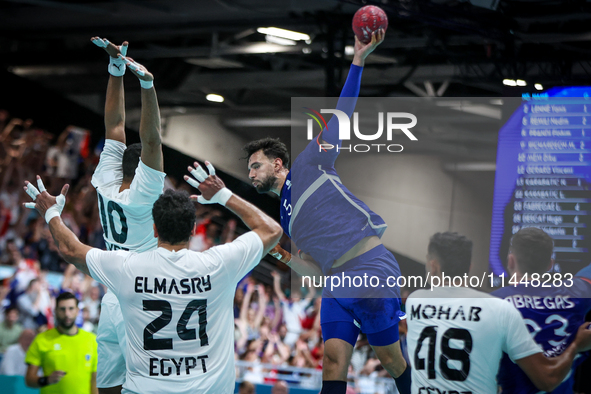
341	234
128	180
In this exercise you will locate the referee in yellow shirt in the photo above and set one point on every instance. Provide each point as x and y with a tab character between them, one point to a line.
66	354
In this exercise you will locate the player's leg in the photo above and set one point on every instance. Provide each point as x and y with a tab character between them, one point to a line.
111	369
391	358
339	337
393	361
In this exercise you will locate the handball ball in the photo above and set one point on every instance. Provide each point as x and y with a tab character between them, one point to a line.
367	20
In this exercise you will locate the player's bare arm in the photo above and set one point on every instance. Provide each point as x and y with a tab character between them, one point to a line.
547	373
150	116
303	264
277	286
115	100
213	190
50	207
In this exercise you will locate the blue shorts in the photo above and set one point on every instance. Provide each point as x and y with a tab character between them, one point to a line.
373	310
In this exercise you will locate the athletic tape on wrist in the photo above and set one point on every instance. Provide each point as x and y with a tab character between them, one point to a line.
116	67
146	84
51	213
56	209
223	196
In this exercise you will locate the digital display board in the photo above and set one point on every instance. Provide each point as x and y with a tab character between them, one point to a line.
542	177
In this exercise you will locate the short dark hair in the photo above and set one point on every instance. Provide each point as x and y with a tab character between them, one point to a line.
131	159
65	296
10	309
174	216
532	248
454	252
271	147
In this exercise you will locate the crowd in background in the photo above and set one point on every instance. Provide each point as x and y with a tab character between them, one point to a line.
273	327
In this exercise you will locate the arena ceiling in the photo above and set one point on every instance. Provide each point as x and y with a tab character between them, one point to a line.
446	48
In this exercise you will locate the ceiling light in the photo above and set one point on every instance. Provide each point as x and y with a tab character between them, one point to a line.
521	82
509	82
279	40
216	98
349	50
306	50
538	86
277	32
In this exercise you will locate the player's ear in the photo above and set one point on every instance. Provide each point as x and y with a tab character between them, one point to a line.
551	264
435	267
511	263
277	164
155	230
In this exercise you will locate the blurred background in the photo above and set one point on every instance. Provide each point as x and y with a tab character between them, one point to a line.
224	78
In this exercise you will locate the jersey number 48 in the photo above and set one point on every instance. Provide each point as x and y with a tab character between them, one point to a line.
447	353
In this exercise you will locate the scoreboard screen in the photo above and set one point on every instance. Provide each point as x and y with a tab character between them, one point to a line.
542	177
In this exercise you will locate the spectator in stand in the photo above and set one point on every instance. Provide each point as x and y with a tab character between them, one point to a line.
249	320
280	387
63	158
294	309
10	329
13	362
33	304
87	324
246	388
92	302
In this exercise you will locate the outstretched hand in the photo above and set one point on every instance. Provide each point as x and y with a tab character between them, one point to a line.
212	188
112	49
137	69
362	50
43	200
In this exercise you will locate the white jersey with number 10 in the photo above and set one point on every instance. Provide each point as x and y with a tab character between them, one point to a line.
126	216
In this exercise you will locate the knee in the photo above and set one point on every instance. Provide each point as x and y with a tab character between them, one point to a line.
332	359
395	366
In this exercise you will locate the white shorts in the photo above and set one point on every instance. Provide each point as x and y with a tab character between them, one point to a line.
111	340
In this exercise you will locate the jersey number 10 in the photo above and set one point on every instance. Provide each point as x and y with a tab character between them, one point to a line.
119	237
185	334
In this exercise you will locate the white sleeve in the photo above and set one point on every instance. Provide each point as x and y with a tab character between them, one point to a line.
147	185
109	169
518	342
106	267
239	256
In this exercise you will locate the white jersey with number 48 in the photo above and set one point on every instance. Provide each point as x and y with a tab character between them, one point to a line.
126	216
456	338
179	317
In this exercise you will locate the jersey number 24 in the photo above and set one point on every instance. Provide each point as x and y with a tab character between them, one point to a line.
184	333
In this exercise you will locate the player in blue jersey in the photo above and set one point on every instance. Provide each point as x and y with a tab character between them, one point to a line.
338	235
553	311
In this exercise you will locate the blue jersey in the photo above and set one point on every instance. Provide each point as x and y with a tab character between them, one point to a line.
553	316
318	212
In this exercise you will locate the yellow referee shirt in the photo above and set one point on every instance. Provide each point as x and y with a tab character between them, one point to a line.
76	355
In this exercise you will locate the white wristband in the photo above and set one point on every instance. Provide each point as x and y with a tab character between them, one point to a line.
146	84
223	196
56	209
116	67
52	212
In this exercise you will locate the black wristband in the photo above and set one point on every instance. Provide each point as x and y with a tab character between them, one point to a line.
42	381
